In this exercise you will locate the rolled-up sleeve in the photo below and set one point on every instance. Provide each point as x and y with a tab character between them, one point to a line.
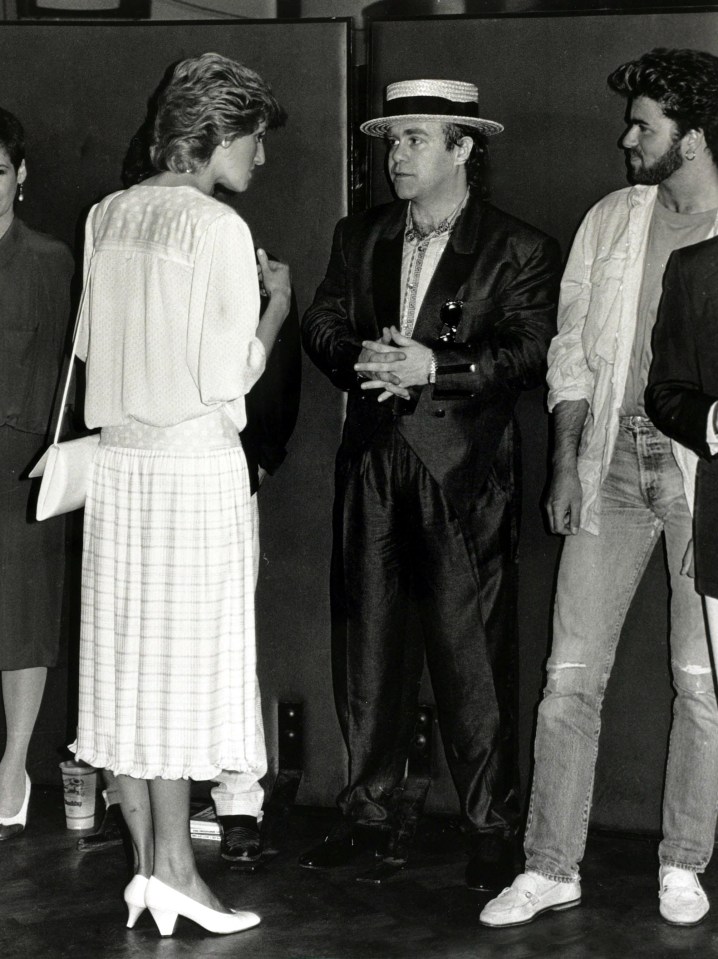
569	376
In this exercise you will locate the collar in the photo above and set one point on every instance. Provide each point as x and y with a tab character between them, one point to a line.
392	222
642	193
412	234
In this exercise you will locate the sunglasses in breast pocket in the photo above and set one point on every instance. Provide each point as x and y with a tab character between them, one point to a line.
450	315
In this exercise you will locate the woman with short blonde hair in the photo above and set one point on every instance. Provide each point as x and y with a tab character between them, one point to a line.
171	333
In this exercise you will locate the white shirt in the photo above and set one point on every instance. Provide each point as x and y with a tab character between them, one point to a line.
419	260
589	357
170	308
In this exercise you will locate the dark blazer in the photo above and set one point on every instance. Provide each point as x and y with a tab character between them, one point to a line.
35	281
683	383
273	402
505	272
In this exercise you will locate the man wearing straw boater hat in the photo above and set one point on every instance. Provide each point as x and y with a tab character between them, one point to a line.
435	312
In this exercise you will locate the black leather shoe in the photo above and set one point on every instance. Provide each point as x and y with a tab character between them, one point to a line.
10	832
341	847
492	865
241	841
111	832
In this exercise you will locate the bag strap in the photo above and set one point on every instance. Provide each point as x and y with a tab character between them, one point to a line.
73	354
85	287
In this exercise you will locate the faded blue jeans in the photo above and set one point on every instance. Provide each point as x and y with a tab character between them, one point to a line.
641	496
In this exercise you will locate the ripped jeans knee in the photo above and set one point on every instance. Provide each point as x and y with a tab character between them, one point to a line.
567	676
693	678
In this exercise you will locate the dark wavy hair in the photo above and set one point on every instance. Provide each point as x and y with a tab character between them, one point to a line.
683	82
208	99
12	137
477	163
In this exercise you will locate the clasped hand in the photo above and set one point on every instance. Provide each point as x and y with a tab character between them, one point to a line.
390	369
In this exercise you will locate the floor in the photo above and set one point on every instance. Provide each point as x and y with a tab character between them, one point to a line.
57	902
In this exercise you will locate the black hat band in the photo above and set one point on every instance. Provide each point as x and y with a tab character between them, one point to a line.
407	106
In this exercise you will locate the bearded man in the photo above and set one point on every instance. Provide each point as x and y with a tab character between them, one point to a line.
617	484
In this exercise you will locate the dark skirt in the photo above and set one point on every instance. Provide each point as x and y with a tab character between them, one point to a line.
32	562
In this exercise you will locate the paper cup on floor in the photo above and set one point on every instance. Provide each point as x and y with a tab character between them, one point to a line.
79	784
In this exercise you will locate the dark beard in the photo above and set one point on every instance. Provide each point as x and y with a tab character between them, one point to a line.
660	169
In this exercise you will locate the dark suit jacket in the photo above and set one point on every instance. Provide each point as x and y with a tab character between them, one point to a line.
273	402
683	383
504	271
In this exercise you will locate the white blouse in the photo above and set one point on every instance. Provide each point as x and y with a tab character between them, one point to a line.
169	314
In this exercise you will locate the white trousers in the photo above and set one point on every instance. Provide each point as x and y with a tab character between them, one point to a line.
239	794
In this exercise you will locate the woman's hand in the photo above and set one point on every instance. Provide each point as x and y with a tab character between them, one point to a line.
274	276
276	283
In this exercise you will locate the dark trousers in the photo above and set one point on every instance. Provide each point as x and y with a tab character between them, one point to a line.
402	557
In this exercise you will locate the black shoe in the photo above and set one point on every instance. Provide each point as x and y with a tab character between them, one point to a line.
342	846
241	841
110	833
492	865
11	832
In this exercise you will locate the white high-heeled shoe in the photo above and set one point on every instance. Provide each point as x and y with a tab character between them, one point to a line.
166	904
13	825
135	899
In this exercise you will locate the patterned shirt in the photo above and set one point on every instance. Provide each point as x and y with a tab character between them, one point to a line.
419	260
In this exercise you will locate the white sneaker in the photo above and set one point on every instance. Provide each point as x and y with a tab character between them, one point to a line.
682	900
527	897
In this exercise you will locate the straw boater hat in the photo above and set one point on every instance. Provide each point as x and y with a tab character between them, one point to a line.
451	101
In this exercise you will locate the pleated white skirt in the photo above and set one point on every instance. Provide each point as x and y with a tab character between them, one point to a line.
167	648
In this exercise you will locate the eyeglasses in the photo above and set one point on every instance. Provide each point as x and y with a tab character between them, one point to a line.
450	316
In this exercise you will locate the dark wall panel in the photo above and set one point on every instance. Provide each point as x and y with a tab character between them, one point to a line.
544	78
81	92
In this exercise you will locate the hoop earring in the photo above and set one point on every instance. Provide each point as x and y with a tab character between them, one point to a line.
20	193
690	156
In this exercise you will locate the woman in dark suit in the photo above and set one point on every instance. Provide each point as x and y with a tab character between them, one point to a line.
35	275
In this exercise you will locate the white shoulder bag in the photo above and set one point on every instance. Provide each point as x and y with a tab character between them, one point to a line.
65	467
